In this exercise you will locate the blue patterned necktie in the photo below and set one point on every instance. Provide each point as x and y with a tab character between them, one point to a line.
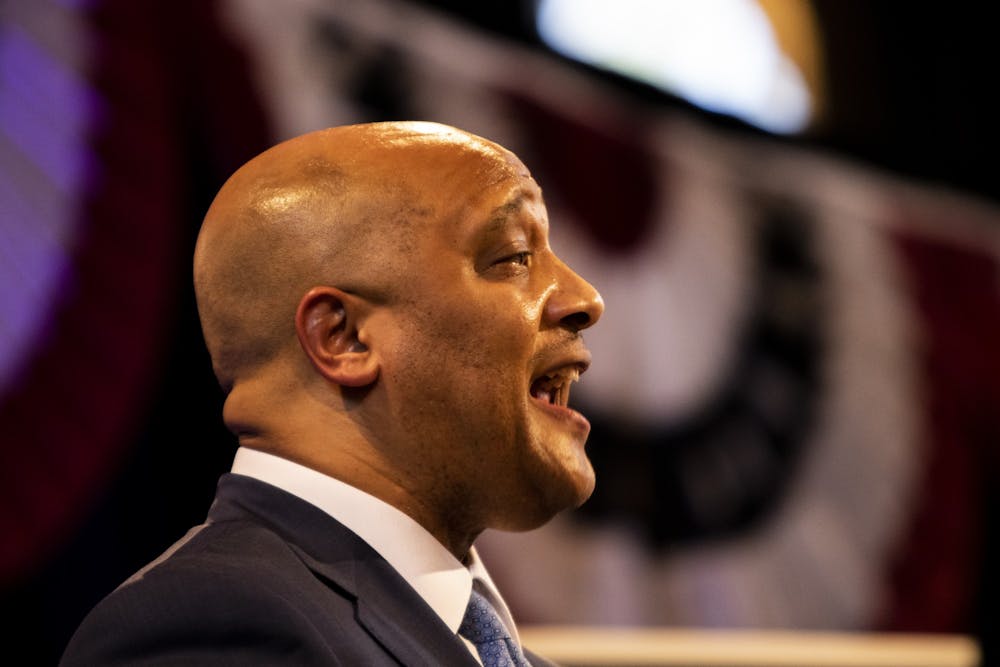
482	626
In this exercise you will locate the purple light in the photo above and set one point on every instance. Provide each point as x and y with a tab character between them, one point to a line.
46	111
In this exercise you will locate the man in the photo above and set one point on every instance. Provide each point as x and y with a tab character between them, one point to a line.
397	342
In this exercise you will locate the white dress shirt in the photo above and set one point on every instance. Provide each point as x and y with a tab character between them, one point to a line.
430	569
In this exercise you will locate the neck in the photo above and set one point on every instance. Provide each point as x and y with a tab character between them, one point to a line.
335	442
351	461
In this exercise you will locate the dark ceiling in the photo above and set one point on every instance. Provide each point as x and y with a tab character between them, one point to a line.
909	84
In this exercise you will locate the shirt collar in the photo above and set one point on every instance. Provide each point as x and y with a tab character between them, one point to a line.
430	569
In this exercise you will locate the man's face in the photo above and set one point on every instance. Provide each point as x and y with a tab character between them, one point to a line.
479	352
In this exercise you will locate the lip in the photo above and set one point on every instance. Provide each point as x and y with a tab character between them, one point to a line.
564	415
580	359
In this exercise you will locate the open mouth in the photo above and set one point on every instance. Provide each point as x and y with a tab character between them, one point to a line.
553	387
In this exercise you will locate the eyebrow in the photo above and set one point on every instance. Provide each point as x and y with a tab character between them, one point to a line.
501	215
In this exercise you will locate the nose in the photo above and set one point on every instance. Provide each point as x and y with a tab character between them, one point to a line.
574	303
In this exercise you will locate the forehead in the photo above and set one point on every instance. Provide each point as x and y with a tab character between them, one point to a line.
519	203
483	191
499	213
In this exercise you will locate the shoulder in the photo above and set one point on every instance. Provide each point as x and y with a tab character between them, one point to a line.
217	561
228	593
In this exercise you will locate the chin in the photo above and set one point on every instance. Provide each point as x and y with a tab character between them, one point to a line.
584	487
564	489
574	479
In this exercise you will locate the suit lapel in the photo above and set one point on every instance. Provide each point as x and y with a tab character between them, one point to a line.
386	606
391	611
402	622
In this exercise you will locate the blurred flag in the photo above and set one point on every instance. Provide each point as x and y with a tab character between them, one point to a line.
795	381
792	383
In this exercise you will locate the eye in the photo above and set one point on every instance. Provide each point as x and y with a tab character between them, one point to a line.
509	265
522	258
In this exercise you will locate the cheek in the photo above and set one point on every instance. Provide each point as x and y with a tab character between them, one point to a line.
482	333
467	347
456	353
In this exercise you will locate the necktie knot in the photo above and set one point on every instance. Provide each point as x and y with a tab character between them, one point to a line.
482	626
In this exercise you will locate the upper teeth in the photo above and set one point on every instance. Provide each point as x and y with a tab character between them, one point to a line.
561	377
554	387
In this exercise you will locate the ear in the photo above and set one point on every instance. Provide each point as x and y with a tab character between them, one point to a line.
327	323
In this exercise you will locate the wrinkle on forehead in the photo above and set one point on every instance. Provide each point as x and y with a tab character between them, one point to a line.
521	198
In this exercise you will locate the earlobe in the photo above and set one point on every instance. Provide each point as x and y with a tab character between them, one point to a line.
327	324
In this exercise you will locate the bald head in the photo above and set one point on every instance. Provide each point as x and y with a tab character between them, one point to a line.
336	207
382	303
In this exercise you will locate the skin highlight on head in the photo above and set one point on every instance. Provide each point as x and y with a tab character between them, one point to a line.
364	301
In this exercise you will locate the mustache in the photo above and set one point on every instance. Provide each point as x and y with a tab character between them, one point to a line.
570	350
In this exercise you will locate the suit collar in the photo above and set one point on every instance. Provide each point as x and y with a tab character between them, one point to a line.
387	607
412	551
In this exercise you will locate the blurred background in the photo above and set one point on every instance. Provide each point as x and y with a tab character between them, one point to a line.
790	207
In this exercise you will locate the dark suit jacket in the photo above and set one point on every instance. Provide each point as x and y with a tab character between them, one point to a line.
268	580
